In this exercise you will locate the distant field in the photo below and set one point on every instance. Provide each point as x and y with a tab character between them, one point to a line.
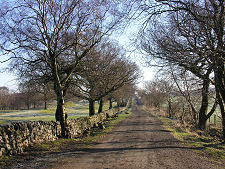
74	109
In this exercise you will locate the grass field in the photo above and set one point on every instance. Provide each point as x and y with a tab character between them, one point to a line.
74	109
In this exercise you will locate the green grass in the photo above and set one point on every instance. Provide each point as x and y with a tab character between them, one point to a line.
16	119
71	107
7	111
71	104
40	118
48	111
209	146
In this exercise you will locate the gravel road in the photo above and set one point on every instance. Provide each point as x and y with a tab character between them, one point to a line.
139	142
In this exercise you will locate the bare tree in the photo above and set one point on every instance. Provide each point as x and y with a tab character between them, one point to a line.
123	94
45	89
28	89
169	48
4	98
188	86
53	36
156	96
157	92
183	41
102	72
192	37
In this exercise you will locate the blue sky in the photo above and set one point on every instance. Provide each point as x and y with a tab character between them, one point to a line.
7	79
125	39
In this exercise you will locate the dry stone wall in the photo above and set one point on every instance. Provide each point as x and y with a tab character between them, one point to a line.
15	137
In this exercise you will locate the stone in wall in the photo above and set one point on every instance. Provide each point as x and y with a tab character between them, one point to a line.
15	137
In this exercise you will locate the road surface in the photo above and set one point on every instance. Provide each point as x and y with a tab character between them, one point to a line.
139	142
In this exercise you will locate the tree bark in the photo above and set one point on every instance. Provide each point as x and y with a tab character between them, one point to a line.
61	116
100	105
60	90
222	110
220	78
28	105
204	105
91	107
110	103
45	98
45	105
169	108
223	116
219	72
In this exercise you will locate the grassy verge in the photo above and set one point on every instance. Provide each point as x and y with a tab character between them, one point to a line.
208	146
65	145
202	142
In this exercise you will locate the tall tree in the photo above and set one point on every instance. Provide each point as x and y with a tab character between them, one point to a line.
50	37
102	72
192	37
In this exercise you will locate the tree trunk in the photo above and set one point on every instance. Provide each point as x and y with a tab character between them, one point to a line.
28	106
204	105
202	122
45	98
223	117
100	105
222	110
45	105
91	107
61	114
110	103
169	108
220	77
60	91
123	103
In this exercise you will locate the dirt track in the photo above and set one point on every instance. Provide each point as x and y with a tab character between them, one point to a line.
138	142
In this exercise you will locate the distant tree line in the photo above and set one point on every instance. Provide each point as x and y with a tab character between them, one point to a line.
26	98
